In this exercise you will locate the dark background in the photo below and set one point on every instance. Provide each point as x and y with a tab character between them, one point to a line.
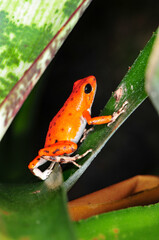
104	43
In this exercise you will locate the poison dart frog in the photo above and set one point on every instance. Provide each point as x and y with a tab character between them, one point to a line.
68	126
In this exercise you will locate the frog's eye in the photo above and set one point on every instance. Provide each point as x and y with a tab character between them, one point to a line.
88	88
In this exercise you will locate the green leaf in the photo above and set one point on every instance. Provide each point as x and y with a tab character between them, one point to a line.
35	211
130	89
31	34
132	223
152	74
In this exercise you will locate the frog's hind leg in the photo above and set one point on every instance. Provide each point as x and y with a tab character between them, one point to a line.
59	148
37	162
67	159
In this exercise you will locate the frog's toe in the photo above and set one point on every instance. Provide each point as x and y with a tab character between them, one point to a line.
46	173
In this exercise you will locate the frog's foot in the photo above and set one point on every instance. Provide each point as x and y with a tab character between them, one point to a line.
85	133
48	171
67	159
38	161
118	113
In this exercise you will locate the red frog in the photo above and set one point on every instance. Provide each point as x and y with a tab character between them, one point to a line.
68	126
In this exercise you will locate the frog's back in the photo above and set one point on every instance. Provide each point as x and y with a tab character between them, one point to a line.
66	125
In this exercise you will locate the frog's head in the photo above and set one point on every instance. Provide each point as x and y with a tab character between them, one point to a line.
85	90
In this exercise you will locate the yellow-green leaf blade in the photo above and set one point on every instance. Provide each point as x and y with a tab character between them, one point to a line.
132	223
31	34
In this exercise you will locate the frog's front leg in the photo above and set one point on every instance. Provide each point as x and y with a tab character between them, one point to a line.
85	133
118	113
104	119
